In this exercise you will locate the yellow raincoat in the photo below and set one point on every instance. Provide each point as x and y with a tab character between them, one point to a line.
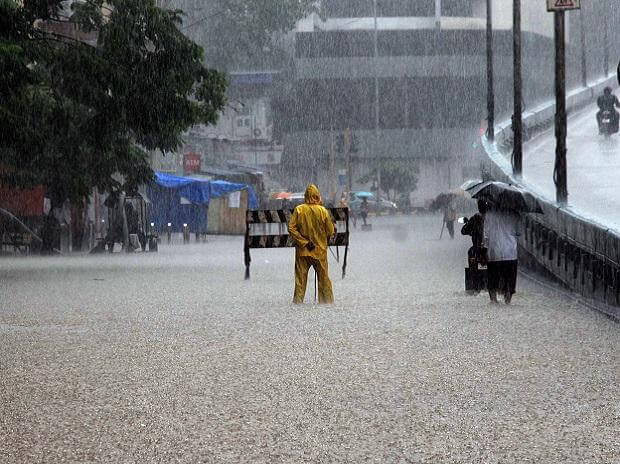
311	223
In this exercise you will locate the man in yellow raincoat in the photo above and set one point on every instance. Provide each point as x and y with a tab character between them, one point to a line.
311	226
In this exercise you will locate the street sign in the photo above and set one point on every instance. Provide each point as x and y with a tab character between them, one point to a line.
191	163
561	5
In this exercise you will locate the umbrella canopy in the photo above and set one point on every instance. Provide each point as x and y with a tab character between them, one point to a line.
506	196
442	200
459	192
364	195
471	183
282	196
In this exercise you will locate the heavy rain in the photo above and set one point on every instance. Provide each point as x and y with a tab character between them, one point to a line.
286	231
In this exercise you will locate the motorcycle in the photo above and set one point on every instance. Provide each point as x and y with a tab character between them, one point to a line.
609	123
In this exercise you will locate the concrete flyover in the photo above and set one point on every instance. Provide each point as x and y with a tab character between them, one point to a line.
578	244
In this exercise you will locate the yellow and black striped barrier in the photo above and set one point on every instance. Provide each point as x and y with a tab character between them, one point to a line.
268	228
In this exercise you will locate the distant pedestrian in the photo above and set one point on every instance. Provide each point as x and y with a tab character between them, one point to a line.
449	216
311	227
501	229
364	208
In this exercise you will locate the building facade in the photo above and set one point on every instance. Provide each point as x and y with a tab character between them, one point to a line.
243	135
410	82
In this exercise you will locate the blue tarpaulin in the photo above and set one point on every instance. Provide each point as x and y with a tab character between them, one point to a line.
199	191
183	200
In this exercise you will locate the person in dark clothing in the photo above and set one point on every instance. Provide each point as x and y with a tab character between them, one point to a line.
364	207
476	255
50	234
115	232
474	226
608	102
133	220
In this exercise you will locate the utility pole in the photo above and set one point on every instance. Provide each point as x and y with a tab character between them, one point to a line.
517	122
584	66
605	42
559	172
490	91
406	89
376	144
331	166
347	142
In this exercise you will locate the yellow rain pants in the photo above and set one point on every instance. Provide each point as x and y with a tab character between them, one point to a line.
302	265
311	223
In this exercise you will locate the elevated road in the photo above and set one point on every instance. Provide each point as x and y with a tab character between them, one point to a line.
593	169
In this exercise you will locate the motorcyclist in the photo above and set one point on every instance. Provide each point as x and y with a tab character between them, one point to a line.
607	102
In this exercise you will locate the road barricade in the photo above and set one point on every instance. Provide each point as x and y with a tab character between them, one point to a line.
269	229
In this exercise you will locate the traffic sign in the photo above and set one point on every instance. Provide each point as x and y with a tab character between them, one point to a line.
561	5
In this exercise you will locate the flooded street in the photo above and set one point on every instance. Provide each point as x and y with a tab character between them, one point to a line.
173	357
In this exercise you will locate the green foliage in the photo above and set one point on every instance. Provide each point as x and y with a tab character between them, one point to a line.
243	31
75	115
397	174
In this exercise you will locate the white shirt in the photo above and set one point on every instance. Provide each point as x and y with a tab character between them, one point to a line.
501	229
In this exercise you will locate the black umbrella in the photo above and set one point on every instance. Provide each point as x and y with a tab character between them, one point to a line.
506	196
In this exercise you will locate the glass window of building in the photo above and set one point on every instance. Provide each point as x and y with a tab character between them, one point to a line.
385	8
349	8
405	8
461	8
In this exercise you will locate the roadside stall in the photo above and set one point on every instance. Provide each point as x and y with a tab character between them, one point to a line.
182	204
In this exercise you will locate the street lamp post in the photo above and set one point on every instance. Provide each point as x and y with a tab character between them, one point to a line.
490	92
584	68
376	55
605	43
559	172
517	123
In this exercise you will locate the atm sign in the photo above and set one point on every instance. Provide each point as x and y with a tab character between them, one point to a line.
191	163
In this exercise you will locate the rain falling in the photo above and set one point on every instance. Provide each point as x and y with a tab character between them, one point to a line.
285	231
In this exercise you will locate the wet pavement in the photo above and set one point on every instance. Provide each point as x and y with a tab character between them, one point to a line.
173	357
593	169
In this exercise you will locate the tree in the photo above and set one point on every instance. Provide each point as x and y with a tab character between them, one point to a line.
77	113
245	32
396	174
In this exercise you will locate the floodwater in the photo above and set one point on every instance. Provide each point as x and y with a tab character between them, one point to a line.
173	357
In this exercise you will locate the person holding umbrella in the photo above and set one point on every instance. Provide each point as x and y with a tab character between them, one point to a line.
364	208
501	229
449	216
502	225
